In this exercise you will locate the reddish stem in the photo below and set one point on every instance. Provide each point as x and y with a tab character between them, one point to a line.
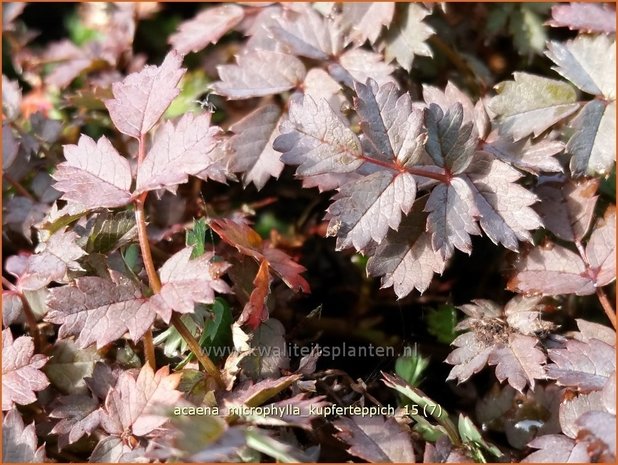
18	187
605	303
28	313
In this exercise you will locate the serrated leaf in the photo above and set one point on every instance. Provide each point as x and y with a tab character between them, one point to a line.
567	208
470	356
207	27
308	34
601	248
364	21
589	62
364	210
134	405
269	356
19	442
258	73
21	375
54	258
196	237
533	157
390	122
582	365
358	65
98	310
78	414
69	366
551	270
317	139
141	98
407	35
111	231
251	146
450	141
572	409
592	150
376	439
531	104
586	17
441	323
187	281
557	448
406	259
177	152
503	205
94	174
258	393
519	362
452	217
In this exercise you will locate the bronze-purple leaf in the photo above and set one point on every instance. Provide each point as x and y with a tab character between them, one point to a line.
141	98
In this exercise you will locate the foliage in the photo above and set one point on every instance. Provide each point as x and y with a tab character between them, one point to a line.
157	281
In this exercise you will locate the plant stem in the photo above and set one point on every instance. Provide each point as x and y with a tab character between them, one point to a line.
155	285
30	318
204	360
605	303
607	306
18	187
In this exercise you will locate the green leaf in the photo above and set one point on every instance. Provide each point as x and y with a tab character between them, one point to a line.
411	367
196	237
441	323
278	450
529	34
471	436
193	85
110	231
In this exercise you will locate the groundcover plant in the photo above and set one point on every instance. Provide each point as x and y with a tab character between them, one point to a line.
298	232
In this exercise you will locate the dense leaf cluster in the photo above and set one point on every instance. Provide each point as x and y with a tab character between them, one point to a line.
132	298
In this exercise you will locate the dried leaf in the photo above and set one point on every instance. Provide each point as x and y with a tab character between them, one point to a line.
601	248
141	98
94	174
21	375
